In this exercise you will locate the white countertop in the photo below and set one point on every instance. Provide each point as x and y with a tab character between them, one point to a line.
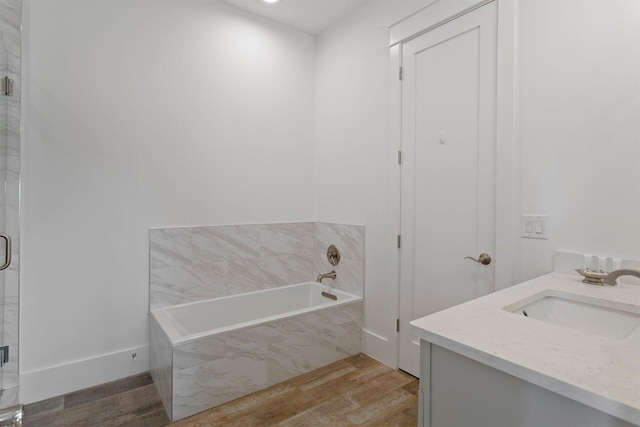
600	372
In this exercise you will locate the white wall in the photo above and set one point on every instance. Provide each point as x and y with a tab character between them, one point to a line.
161	113
140	114
578	137
352	151
579	127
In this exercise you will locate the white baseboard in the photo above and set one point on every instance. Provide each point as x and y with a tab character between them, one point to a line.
57	380
380	348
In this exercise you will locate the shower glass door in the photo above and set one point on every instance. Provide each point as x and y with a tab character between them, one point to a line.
10	18
4	122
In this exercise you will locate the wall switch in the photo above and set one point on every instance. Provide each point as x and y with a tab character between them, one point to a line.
528	228
535	226
539	227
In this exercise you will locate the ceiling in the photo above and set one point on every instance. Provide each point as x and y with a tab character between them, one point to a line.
310	16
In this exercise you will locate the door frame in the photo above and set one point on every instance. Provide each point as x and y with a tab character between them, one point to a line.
437	13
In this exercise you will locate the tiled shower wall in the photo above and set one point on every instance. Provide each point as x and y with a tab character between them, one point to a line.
10	42
196	263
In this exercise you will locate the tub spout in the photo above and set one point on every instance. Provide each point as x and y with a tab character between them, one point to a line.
329	275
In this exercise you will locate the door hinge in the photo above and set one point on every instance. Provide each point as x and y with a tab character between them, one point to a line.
398	241
7	86
400	73
4	355
399	157
397	325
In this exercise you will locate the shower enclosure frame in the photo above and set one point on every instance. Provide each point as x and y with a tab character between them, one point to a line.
10	98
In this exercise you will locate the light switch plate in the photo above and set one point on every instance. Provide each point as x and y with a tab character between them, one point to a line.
535	226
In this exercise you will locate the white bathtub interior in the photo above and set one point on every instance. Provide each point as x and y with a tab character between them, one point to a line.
186	323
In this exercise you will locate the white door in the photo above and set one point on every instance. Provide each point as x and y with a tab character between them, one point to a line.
448	170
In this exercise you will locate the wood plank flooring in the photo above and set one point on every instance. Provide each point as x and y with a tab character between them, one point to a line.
353	391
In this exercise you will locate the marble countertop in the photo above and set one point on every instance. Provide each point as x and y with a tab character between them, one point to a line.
600	372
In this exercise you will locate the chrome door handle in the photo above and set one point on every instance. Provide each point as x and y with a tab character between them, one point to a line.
484	258
7	259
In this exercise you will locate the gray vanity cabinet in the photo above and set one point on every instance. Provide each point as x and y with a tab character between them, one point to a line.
458	391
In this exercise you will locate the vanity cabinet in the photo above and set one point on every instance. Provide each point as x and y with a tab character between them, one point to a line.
458	391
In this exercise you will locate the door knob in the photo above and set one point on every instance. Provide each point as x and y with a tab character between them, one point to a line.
484	258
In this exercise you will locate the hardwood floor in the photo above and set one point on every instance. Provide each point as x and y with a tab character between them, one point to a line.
353	391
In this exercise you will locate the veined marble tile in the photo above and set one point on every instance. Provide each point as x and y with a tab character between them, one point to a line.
322	348
227	242
11	14
178	285
286	239
275	270
160	363
327	318
13	112
247	276
3	171
3	206
213	275
300	268
320	322
169	247
298	355
277	331
11	279
243	344
349	239
9	397
199	353
348	339
12	201
349	313
202	387
10	370
285	361
325	335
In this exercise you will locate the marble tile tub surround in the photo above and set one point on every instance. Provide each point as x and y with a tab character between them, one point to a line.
220	368
161	363
196	263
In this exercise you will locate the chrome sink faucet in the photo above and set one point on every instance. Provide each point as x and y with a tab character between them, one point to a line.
329	275
613	276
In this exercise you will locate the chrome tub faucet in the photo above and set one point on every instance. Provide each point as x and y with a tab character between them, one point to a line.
329	275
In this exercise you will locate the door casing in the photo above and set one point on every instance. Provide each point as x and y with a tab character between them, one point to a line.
431	16
448	176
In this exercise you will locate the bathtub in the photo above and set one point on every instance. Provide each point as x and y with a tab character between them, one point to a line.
210	352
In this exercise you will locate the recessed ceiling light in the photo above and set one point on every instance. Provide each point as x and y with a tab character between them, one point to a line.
271	1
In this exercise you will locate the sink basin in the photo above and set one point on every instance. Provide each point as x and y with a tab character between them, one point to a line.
594	316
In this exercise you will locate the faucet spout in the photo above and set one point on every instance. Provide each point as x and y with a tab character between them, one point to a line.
613	276
329	275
